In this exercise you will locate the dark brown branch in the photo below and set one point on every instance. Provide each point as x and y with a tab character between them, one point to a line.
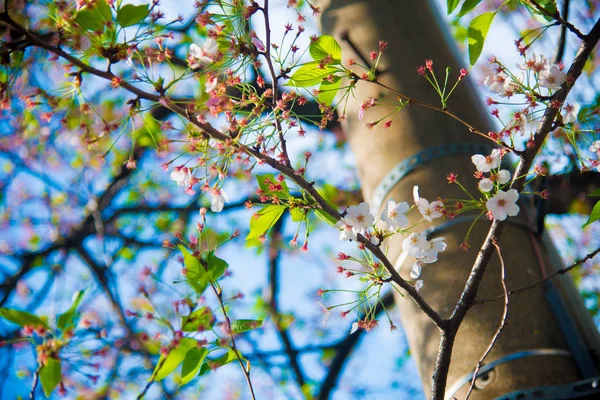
562	39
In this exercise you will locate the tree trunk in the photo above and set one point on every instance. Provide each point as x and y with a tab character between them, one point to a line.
414	31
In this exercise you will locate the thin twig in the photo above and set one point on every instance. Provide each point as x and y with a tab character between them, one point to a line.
502	321
246	372
36	378
540	281
562	39
557	17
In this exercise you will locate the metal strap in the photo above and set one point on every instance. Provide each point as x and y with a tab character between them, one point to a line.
511	357
584	389
407	165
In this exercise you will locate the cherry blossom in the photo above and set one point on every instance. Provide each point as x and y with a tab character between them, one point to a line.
211	83
393	215
182	175
570	113
503	204
218	198
595	147
487	163
536	63
429	211
552	77
346	230
204	55
487	184
359	217
426	251
520	123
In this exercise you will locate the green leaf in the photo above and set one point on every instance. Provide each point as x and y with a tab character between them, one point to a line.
325	45
595	193
477	32
244	325
50	375
200	320
297	214
549	6
67	318
594	216
192	363
22	318
213	363
94	17
216	266
452	5
196	276
325	217
310	75
467	7
264	219
175	357
267	181
328	90
130	15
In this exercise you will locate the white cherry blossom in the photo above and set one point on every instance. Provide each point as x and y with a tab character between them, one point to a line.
570	112
429	211
346	230
595	147
393	215
503	204
536	63
182	175
211	83
552	77
487	184
218	198
414	244
416	270
359	217
198	56
520	123
487	163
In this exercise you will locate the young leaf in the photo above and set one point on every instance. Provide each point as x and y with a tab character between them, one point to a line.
478	30
216	266
264	219
297	214
173	359
323	216
200	320
595	193
310	75
328	90
196	276
452	5
94	17
192	363
244	325
129	14
548	7
267	181
50	375
218	362
22	318
594	216
467	7
325	45
67	318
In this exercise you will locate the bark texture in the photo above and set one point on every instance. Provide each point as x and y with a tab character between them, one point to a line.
415	32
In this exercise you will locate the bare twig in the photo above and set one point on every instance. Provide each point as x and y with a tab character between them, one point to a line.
36	378
538	282
562	39
502	321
